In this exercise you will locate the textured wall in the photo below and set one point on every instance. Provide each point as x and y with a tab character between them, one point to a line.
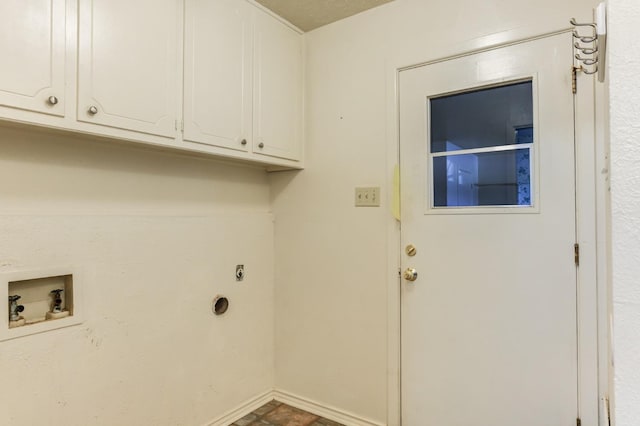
624	61
332	271
156	237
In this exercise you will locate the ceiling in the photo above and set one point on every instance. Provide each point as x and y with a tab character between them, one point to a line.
310	14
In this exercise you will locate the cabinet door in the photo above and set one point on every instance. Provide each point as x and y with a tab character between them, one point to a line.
278	89
217	73
32	42
128	63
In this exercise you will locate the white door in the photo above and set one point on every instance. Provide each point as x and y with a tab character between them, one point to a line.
488	201
218	73
32	38
128	64
277	89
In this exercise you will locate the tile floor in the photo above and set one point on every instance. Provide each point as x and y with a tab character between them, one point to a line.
276	413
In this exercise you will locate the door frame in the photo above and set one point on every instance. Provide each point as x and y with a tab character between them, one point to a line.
592	223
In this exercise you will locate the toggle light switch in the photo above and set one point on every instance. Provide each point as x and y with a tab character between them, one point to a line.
368	196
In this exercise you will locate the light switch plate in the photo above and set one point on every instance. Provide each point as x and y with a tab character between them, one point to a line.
368	196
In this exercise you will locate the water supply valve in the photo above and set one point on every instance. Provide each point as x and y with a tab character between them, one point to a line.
14	308
57	300
56	311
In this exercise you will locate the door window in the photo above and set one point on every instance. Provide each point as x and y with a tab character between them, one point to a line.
481	147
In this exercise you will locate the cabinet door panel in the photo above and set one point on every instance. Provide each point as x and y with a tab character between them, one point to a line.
278	89
217	77
32	42
128	64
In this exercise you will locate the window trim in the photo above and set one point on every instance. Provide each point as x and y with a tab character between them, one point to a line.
533	147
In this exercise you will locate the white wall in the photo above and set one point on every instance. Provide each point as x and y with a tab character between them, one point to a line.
156	236
332	272
624	92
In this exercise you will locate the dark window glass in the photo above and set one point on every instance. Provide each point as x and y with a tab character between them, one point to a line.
481	144
501	178
481	118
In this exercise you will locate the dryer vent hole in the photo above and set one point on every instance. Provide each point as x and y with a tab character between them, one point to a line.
220	305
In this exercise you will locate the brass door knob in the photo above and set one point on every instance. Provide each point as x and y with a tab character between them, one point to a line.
410	274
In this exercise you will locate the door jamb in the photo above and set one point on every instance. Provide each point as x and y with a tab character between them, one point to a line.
592	225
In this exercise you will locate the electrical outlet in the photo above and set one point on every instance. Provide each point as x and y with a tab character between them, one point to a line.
368	196
239	272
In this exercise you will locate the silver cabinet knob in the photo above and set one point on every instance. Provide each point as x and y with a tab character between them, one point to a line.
410	274
243	142
52	100
260	145
93	110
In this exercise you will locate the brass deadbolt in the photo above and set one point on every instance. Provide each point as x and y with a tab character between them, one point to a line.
411	250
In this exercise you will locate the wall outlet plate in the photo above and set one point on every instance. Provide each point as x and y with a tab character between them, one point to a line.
368	196
240	272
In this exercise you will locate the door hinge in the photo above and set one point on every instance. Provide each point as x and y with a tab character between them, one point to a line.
576	254
578	422
574	79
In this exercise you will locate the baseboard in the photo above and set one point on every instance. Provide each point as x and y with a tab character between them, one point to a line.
331	413
323	410
243	409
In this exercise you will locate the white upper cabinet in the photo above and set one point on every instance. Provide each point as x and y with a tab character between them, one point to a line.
277	89
32	44
219	77
218	66
128	64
